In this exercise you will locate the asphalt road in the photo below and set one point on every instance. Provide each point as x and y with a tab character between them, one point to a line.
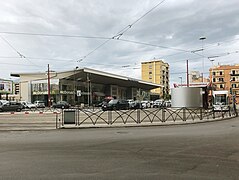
198	151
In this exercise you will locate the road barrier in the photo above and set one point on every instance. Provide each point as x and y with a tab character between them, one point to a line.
77	118
99	118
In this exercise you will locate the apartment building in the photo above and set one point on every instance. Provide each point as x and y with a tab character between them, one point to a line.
196	77
226	77
156	71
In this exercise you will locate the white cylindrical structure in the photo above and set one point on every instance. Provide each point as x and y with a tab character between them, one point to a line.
191	97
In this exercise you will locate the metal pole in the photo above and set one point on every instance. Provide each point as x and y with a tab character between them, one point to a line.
49	86
181	78
201	39
88	86
187	75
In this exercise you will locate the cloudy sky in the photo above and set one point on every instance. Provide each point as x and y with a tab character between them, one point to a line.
117	35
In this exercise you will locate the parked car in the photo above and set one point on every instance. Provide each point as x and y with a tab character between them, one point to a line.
4	101
61	104
40	104
116	104
145	104
10	106
100	104
158	103
28	105
167	103
132	103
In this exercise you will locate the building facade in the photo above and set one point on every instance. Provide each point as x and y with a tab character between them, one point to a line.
196	77
81	86
9	90
156	71
226	77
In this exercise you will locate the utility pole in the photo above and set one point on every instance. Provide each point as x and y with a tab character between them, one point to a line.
187	75
49	86
202	39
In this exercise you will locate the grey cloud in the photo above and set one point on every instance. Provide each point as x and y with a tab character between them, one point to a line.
177	24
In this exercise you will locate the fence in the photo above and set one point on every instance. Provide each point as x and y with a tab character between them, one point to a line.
137	117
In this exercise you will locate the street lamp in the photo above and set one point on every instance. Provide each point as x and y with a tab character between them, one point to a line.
202	39
75	84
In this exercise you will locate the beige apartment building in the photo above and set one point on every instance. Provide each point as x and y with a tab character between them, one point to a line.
156	71
226	77
196	77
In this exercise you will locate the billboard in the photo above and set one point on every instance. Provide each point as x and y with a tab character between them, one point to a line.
6	86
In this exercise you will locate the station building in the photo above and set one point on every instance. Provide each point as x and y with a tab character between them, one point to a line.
87	86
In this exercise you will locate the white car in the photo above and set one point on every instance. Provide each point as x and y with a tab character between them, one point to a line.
4	101
132	103
39	104
145	104
158	103
28	105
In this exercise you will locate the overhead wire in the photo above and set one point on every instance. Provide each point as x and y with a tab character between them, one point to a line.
14	49
121	32
53	35
153	45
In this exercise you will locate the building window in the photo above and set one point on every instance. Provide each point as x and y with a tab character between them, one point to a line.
221	86
220	72
213	73
233	72
221	79
150	66
233	79
214	80
234	85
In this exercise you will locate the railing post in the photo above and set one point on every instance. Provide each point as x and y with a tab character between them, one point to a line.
222	113
201	117
163	114
229	110
184	114
138	116
110	117
56	121
59	123
213	113
78	118
62	119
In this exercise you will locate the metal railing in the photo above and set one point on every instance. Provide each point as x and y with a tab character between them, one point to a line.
98	118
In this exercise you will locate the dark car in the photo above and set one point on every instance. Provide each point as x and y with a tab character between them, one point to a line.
61	104
11	106
116	104
101	104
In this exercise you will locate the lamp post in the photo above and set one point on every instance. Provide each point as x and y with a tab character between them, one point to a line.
202	39
48	86
212	60
75	84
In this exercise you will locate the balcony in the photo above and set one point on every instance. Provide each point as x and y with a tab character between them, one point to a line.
219	75
219	82
235	80
234	73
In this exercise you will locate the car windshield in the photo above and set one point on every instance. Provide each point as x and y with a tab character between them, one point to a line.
61	102
113	101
